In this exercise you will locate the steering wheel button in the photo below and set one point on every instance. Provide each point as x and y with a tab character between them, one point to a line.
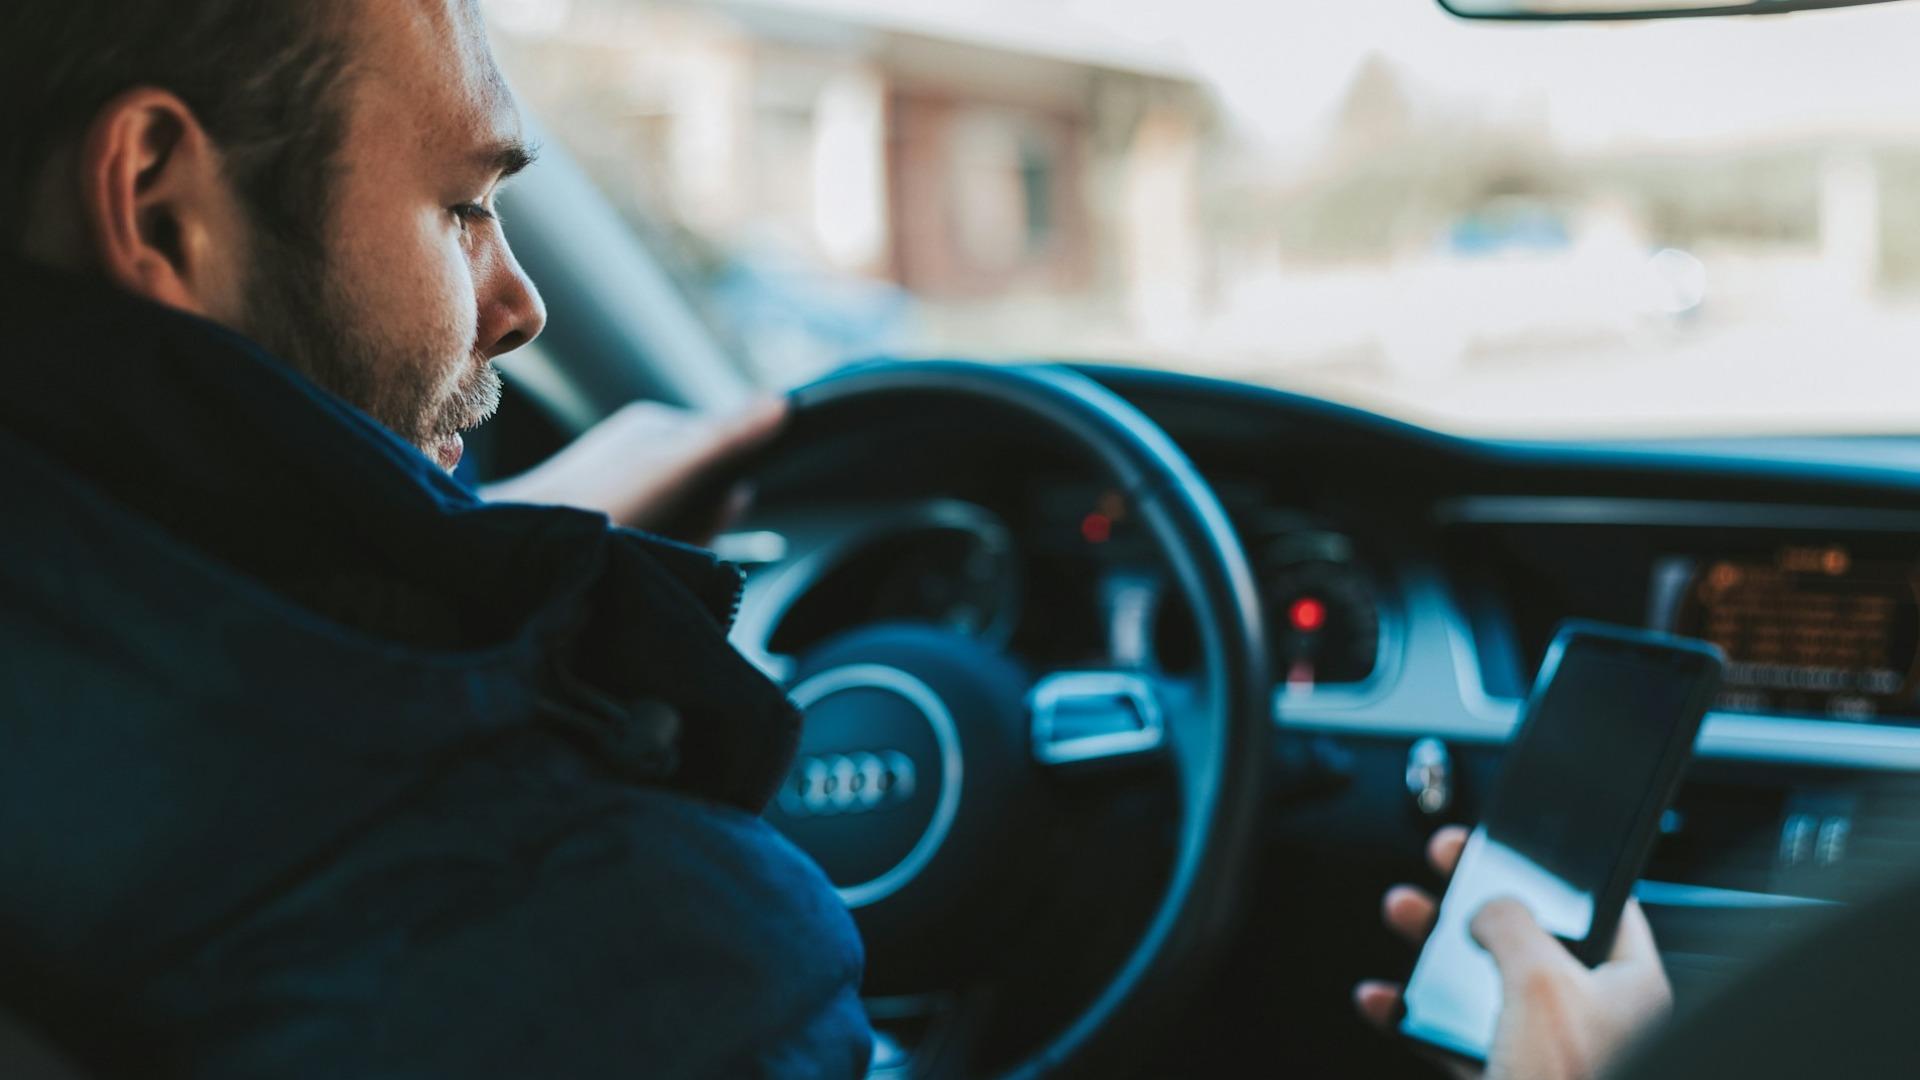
1083	716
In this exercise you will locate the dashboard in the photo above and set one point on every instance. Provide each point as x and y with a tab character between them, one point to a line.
1411	581
1075	583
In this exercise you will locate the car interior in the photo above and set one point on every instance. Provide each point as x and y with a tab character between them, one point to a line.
1206	658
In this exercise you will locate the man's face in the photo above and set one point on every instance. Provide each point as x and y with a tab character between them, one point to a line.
417	290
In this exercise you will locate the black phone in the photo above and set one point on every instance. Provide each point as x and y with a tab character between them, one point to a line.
1595	763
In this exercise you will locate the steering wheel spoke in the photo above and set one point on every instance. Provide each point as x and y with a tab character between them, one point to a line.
917	1035
776	666
1086	718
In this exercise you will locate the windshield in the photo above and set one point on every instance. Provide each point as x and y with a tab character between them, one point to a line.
1691	227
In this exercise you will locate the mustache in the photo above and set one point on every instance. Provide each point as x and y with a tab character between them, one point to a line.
474	400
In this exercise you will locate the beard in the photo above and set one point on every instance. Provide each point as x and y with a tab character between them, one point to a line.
418	386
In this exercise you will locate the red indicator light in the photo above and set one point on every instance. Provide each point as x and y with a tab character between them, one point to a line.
1097	528
1307	614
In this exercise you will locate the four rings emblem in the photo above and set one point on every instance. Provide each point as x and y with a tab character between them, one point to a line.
822	785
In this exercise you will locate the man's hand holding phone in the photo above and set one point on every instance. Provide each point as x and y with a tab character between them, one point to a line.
1560	1020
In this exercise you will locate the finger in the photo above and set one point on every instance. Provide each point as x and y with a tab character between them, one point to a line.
752	426
714	443
1409	912
1507	930
1378	1002
1443	851
1633	942
653	414
685	495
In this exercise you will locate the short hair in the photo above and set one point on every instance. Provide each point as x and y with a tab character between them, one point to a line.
265	78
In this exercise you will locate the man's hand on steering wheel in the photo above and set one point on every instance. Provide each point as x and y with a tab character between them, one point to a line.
648	467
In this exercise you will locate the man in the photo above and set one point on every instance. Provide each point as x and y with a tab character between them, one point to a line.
315	764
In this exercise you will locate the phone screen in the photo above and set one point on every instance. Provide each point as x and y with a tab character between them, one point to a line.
1595	755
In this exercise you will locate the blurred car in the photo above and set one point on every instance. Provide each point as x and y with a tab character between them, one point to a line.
1518	274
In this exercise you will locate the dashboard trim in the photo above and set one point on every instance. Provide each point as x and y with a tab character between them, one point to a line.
1676	513
1724	736
1670	894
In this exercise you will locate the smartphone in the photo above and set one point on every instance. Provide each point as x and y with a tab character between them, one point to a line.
1594	764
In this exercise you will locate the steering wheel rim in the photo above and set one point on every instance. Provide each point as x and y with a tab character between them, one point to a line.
1220	790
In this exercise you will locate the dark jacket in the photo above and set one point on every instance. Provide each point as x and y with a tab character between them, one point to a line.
312	764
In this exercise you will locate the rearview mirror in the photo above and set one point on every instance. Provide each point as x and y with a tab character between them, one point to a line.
1633	9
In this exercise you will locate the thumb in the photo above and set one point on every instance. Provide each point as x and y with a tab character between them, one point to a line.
1506	929
1633	942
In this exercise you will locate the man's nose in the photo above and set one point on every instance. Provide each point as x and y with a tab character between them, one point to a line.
511	311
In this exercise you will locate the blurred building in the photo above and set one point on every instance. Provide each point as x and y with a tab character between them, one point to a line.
1031	166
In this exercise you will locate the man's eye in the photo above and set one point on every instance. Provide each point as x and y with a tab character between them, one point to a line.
471	212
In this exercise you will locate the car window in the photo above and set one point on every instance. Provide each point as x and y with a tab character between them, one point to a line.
1679	227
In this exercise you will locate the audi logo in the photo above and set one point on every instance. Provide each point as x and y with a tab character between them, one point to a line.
827	784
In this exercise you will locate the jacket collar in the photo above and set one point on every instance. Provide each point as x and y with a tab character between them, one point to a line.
206	435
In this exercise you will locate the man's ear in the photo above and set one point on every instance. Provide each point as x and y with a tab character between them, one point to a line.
164	221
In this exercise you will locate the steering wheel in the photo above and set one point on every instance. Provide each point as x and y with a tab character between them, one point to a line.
922	749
